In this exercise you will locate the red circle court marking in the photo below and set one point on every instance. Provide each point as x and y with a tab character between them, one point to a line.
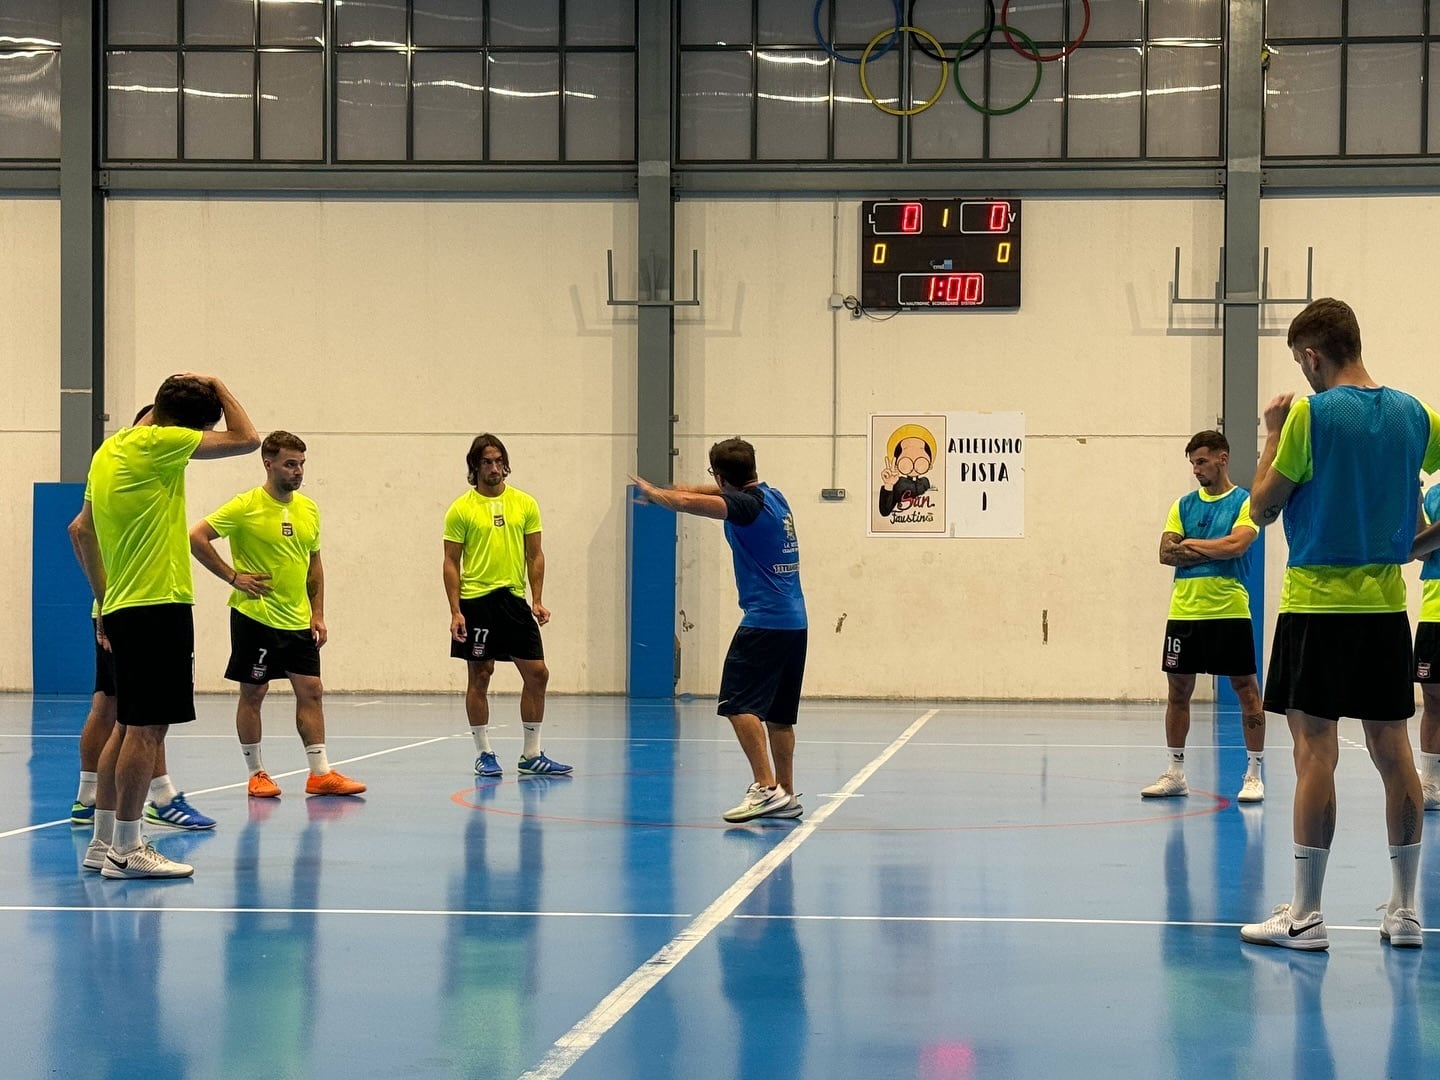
463	798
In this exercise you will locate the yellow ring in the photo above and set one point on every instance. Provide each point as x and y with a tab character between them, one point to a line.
865	83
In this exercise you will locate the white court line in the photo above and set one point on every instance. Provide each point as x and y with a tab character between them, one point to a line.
569	1048
242	783
29	908
1022	920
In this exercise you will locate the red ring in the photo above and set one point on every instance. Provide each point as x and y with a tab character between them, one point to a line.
1085	29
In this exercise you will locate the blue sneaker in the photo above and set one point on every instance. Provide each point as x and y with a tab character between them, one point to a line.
80	814
178	814
487	764
540	765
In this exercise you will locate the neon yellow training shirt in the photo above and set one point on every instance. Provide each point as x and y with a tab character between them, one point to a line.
136	490
1209	597
493	530
268	536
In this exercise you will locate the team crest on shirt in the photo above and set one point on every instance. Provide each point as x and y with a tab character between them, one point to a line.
257	671
286	529
499	520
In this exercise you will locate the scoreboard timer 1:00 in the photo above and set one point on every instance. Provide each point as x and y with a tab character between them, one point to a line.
949	254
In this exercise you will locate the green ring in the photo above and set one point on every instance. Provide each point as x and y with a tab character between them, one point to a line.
985	110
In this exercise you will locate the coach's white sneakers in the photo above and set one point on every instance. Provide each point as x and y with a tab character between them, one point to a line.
143	862
1286	932
1252	789
1431	790
758	802
1170	785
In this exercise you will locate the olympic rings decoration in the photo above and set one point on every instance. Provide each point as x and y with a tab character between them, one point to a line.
989	110
894	32
990	21
914	110
1034	54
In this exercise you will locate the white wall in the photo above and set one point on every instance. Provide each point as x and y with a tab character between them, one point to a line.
29	405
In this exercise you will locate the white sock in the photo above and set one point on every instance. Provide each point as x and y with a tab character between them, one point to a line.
532	740
481	734
1404	870
1309	880
86	794
251	753
1429	766
162	791
319	762
1254	758
105	826
127	836
1177	760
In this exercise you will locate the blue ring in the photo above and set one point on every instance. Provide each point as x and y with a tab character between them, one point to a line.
830	49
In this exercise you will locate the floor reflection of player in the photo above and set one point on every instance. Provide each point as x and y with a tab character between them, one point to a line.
763	978
490	960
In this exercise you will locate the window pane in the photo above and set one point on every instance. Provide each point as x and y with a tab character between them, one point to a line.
600	107
30	22
524	107
792	105
1186	19
788	22
1433	144
948	129
449	106
1115	20
1370	18
1105	103
297	22
1382	108
857	21
141	22
141	105
524	22
1302	18
449	22
1042	20
219	22
292	106
1036	130
220	105
715	22
599	22
863	132
370	22
1302	101
1183	102
370	107
30	105
715	106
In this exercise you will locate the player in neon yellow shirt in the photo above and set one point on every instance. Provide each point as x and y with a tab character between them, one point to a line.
1207	539
132	543
492	549
277	608
1343	464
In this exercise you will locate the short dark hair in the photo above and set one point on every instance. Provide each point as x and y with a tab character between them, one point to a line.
482	443
1209	440
280	440
144	411
187	401
1329	327
733	460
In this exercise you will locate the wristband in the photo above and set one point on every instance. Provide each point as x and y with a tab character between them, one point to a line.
233	576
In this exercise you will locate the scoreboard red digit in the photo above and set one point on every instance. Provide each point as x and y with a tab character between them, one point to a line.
940	254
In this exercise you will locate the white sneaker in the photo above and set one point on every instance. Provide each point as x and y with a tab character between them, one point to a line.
791	808
1401	928
95	854
758	802
1431	790
1252	789
1283	931
143	862
1168	786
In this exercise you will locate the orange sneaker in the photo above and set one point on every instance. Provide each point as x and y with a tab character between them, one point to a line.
262	787
332	783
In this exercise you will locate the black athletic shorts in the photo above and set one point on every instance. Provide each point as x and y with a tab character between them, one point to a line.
1209	646
763	673
259	653
1427	652
104	666
498	626
154	653
1343	664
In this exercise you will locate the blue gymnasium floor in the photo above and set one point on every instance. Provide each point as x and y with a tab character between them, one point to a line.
975	892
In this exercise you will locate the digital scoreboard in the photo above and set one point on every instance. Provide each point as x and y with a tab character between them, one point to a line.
948	254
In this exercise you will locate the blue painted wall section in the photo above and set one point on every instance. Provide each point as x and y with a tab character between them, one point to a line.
650	555
60	642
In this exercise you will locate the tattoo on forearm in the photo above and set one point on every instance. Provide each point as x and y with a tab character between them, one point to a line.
1270	513
1327	825
1409	822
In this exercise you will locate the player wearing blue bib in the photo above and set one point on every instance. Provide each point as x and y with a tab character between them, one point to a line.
765	666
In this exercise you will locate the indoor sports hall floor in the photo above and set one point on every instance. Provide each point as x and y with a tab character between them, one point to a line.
976	891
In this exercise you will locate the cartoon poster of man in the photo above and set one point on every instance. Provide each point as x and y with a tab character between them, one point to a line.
907	474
